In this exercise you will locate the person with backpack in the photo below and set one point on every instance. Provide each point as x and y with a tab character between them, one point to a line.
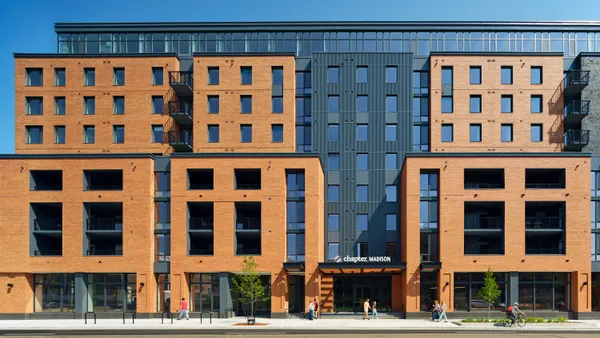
435	315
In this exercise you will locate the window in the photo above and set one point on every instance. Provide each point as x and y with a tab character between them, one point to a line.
245	104
35	106
391	222
362	132
277	104
89	134
213	104
362	193
391	132
362	161
118	134
89	76
333	161
536	75
54	293
333	193
333	250
475	75
507	103
506	74
158	104
295	215
277	133
118	76
391	192
34	134
60	77
246	133
333	222
60	105
333	132
118	105
295	183
362	249
157	76
303	109
333	103
507	132
475	132
429	215
277	76
213	133
362	222
333	74
362	103
447	76
59	135
475	104
295	248
447	104
391	161
362	74
89	105
536	133
246	75
157	133
544	291
421	82
536	104
391	103
213	75
420	138
428	184
391	74
447	132
35	77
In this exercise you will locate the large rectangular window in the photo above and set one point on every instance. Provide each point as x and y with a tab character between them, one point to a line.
89	105
60	105
34	77
475	133
391	193
391	74
362	104
333	102
118	76
333	74
118	105
245	75
333	161
506	104
362	132
447	104
391	222
333	250
429	214
54	293
158	104
362	161
157	133
420	109
295	215
506	75
213	75
277	75
536	104
89	134
447	75
475	104
333	132
447	132
295	247
333	222
536	75
277	133
507	132
277	104
89	76
118	134
362	193
213	104
59	135
246	104
391	132
112	292
391	103
391	161
34	134
60	77
536	133
295	183
544	291
362	222
475	75
428	183
467	286
34	105
246	133
157	76
333	193
362	74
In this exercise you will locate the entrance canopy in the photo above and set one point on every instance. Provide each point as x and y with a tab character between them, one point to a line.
361	268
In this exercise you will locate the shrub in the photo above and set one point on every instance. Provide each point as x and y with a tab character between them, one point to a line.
562	319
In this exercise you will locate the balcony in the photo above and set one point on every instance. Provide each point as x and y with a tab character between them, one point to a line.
46	180
575	140
544	223
484	223
181	140
201	223
102	180
247	223
545	228
575	81
182	112
248	228
182	83
545	178
104	252
484	228
576	110
484	178
247	179
200	228
104	224
47	224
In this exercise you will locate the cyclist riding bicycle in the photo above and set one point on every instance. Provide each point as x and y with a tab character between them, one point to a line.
513	312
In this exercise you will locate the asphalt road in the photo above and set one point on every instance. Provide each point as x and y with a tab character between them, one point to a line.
374	335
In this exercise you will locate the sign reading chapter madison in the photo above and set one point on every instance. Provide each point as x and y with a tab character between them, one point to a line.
370	259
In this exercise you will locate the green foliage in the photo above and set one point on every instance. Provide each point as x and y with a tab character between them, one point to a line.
490	291
249	285
560	319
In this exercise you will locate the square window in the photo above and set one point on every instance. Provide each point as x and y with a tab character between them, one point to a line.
475	104
333	74
157	76
34	134
118	134
246	75
507	132
213	75
391	132
118	105
333	250
277	76
447	75
333	222
89	105
447	105
362	132
246	104
213	104
277	133
362	74
333	132
475	133
362	161
59	135
246	133
333	193
277	104
158	104
34	77
391	74
157	133
536	75
60	77
362	103
34	106
89	76
391	103
60	105
507	103
536	133
333	161
333	103
89	134
213	133
362	193
475	75
391	192
447	133
391	161
362	222
118	76
506	73
536	104
391	222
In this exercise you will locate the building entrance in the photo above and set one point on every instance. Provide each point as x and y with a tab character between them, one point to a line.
350	292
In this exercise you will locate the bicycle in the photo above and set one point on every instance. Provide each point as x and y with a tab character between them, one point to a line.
521	320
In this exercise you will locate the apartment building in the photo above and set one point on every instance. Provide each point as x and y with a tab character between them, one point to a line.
389	160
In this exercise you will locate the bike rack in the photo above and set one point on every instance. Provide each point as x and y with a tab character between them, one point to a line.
86	314
133	316
202	315
168	314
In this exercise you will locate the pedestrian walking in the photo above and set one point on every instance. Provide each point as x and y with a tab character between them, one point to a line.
184	310
316	314
366	308
375	309
311	310
443	312
435	313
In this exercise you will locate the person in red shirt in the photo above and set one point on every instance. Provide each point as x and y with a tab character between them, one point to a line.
184	309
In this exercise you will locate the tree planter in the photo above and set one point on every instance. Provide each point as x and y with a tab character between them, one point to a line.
251	321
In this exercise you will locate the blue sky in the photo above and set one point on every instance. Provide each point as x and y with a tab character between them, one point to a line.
28	24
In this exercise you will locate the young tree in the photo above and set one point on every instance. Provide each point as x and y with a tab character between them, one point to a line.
490	291
249	285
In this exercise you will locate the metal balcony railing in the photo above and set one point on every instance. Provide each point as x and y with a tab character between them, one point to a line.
104	187
201	252
573	138
248	186
544	251
484	185
180	137
181	108
105	252
543	222
201	223
48	224
577	77
484	223
181	78
577	108
47	253
104	224
470	251
247	251
247	223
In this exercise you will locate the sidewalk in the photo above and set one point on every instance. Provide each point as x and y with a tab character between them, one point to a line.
154	326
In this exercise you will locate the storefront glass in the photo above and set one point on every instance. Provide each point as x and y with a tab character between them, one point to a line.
112	292
54	293
163	297
350	292
467	287
544	291
204	292
428	290
261	309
